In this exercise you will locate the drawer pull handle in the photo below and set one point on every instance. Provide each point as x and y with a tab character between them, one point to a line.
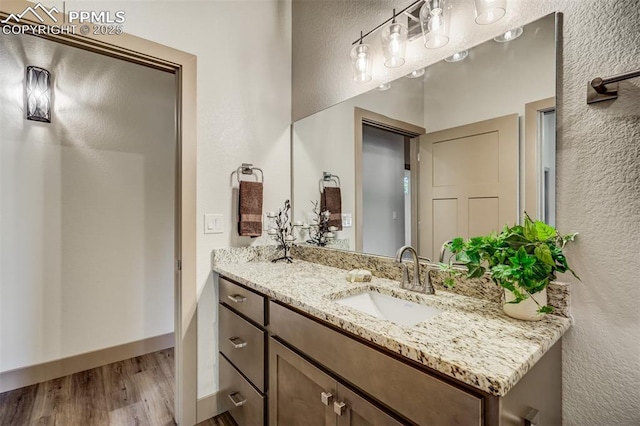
237	298
237	399
237	342
326	398
338	407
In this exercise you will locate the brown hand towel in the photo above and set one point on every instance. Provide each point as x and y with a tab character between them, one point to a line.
332	201
250	209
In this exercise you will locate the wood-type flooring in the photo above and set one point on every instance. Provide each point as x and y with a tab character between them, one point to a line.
136	391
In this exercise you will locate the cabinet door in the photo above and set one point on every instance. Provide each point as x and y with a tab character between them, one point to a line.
353	410
299	393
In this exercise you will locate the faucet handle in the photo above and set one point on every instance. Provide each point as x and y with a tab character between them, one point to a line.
405	276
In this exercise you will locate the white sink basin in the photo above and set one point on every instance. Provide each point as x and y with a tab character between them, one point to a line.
390	308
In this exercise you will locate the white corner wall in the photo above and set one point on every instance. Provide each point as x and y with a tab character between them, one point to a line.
243	49
598	173
86	205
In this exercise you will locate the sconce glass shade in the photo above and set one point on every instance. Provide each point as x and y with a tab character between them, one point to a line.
38	94
435	17
362	62
489	11
394	44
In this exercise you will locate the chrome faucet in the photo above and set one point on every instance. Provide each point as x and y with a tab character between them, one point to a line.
443	250
427	287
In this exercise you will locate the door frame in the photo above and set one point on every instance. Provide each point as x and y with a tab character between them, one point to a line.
151	54
531	192
364	117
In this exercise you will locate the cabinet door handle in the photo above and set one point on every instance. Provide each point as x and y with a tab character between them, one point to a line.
237	399
237	298
237	342
338	407
326	398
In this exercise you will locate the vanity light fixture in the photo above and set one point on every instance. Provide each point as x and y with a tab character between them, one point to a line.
509	35
38	94
435	16
383	87
361	61
416	74
394	43
458	56
489	11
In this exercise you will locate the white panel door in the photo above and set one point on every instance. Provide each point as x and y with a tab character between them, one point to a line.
468	181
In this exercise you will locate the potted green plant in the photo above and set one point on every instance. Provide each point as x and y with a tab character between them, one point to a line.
522	259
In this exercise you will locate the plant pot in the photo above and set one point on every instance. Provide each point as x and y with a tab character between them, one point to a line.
527	309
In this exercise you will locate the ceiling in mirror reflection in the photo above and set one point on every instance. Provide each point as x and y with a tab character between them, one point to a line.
494	80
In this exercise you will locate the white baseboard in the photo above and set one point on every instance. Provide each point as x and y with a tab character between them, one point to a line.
26	376
207	407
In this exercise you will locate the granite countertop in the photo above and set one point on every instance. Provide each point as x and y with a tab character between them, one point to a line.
472	341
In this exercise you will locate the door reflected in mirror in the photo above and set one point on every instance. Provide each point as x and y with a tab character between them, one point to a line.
458	151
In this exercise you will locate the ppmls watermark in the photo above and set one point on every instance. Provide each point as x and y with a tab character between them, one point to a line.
82	22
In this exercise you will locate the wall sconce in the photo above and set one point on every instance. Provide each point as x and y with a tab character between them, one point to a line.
361	61
435	16
38	94
489	11
394	43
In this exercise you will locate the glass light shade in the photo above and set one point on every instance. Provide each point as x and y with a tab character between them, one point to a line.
394	44
458	56
383	87
509	35
490	11
38	94
362	62
416	74
435	17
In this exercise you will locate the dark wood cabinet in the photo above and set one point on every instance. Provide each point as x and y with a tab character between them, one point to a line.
302	394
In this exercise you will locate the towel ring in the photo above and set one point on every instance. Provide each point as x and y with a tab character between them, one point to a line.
328	177
248	169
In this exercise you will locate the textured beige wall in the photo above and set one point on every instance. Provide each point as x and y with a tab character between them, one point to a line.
598	169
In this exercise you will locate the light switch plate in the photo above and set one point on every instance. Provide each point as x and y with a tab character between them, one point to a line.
346	220
213	223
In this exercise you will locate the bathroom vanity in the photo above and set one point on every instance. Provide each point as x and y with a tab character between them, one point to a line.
290	354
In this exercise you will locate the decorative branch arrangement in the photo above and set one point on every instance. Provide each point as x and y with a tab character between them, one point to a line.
319	232
282	233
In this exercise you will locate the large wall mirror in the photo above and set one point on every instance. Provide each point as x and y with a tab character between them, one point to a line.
457	149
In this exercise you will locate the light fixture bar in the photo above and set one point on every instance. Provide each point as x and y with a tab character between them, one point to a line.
367	34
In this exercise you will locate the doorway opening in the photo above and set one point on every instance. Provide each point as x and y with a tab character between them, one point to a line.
386	170
181	269
386	191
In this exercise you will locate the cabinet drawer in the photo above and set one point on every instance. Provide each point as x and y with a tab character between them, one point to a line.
413	393
242	300
244	403
243	344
